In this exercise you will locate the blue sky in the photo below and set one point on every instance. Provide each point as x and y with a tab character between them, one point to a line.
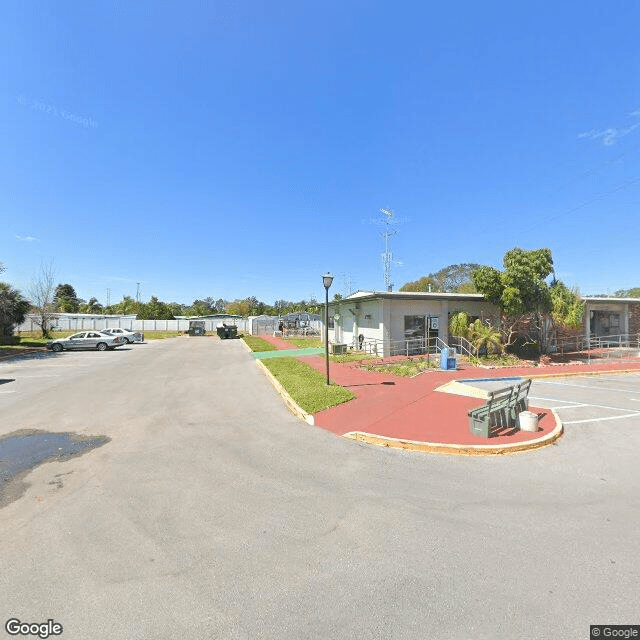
240	148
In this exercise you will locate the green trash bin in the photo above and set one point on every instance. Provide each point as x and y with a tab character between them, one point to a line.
227	331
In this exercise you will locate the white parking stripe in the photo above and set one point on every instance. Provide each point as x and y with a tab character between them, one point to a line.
628	415
580	404
584	386
570	402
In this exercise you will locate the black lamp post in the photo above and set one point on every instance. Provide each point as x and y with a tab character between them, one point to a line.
327	279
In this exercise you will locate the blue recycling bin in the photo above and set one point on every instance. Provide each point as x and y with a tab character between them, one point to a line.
448	359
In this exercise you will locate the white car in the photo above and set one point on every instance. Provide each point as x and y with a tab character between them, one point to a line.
126	335
86	340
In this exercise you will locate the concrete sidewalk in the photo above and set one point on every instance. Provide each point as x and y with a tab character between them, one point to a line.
392	410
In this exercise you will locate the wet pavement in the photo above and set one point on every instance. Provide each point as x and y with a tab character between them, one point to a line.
24	450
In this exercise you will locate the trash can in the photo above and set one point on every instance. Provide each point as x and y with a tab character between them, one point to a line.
448	359
528	421
227	331
196	328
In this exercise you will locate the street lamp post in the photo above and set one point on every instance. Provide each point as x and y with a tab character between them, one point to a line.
327	279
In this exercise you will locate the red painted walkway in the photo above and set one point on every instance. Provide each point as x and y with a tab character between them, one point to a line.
411	409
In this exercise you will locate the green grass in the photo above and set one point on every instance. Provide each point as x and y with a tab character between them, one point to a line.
160	335
32	339
258	344
304	343
306	386
405	368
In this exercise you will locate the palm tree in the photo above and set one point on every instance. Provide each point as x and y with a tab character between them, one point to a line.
484	337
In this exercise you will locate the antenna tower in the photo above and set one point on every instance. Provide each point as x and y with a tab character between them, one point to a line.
387	256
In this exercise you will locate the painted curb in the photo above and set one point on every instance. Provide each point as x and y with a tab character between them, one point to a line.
460	449
288	400
577	374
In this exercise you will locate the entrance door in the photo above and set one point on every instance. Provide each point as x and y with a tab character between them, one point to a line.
605	323
414	334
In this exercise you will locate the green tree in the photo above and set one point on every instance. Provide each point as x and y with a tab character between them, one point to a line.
484	337
93	306
456	278
424	284
65	299
628	293
459	324
522	293
13	309
154	310
199	308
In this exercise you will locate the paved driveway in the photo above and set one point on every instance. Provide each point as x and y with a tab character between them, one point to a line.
214	513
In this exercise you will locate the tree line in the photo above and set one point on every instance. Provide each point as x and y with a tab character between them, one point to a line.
46	300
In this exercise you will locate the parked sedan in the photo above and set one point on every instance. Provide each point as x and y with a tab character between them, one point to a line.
86	340
125	334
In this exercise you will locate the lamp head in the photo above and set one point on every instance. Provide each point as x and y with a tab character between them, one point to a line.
327	279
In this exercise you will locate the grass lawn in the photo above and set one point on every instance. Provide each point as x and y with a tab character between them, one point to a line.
258	344
307	386
304	343
32	339
405	368
160	335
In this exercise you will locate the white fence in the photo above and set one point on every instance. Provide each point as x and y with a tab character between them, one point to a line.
255	326
67	323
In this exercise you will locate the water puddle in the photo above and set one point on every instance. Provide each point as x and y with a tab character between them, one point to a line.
24	450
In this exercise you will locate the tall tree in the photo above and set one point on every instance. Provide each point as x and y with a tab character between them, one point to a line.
41	293
13	309
65	299
93	306
522	293
424	284
456	278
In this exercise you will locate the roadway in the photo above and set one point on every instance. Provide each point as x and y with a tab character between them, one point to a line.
214	513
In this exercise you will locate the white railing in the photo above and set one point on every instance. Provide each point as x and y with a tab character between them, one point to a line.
462	346
407	346
615	346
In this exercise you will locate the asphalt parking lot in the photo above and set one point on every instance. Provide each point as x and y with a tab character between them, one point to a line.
212	512
585	400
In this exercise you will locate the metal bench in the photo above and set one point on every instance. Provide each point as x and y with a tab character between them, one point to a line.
501	409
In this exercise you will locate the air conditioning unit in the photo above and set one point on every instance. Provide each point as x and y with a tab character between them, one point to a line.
336	349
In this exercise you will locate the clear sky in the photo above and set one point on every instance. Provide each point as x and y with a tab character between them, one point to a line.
238	148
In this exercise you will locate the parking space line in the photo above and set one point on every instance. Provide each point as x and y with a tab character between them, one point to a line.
584	386
571	404
628	415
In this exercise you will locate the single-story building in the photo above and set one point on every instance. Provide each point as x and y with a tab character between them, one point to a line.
406	322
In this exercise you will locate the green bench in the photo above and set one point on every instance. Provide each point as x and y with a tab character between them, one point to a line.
501	409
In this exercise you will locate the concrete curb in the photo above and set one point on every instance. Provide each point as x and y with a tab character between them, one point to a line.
288	400
246	346
577	374
461	449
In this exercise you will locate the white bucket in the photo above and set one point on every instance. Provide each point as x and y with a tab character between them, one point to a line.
528	421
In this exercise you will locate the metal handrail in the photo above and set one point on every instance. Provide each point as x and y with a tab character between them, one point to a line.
411	346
